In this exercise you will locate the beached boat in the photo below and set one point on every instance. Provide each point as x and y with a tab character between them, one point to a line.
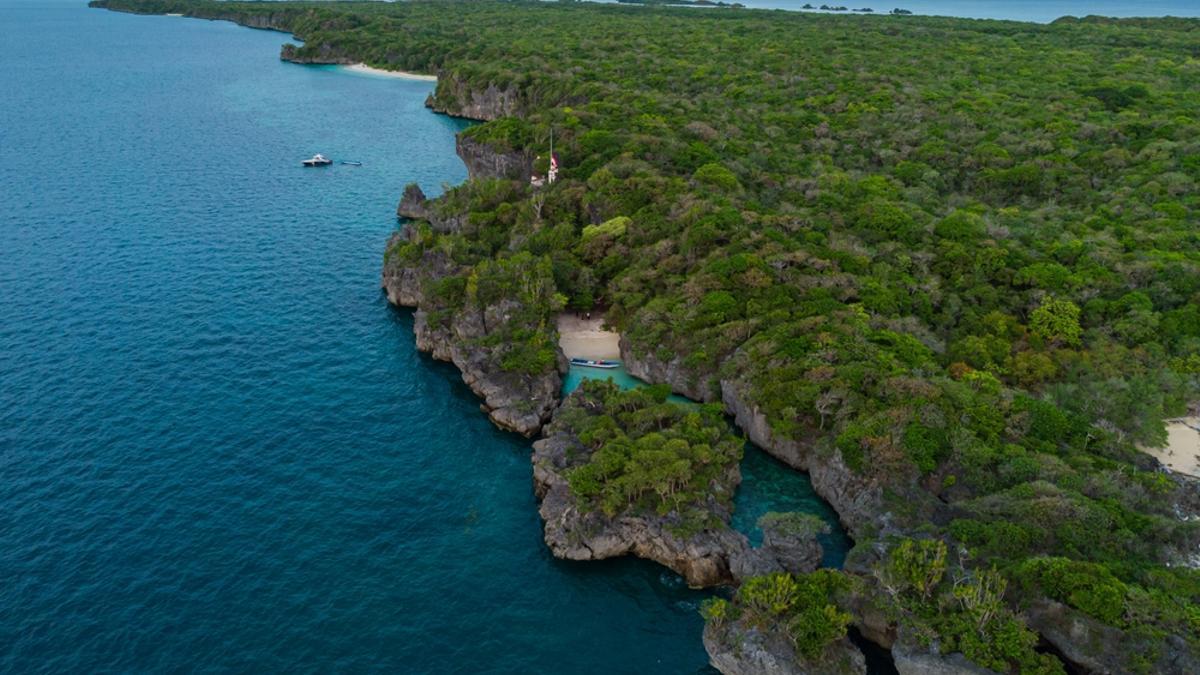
595	363
317	160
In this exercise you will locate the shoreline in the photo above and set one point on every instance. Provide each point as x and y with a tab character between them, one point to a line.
586	338
1181	454
364	69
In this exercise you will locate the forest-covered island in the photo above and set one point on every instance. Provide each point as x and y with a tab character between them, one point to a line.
951	268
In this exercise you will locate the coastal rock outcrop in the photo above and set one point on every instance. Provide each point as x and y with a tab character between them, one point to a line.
1099	648
413	203
649	367
319	54
702	558
653	457
856	499
737	648
913	660
514	400
458	98
485	161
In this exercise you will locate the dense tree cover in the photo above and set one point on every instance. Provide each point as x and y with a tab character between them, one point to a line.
962	255
808	608
647	454
961	608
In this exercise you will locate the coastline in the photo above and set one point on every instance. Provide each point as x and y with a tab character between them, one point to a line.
364	69
586	338
1181	454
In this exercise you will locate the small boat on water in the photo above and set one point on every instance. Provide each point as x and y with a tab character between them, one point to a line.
348	162
317	160
595	363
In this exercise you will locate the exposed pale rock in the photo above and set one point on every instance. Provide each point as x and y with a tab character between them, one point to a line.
735	648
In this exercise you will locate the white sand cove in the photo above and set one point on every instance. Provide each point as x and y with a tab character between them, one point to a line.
586	338
368	70
1182	451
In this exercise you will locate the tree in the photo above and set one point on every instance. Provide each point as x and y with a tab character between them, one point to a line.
1056	321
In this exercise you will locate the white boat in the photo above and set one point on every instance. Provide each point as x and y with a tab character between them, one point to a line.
317	160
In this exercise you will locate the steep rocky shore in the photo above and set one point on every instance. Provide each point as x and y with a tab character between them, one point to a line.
695	541
702	558
516	401
455	97
857	501
739	648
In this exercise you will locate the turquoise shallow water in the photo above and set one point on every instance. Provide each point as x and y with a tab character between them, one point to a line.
767	484
218	448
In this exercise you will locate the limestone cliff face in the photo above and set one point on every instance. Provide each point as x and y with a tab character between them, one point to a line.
645	365
1098	648
278	21
856	499
737	648
456	97
515	401
322	54
484	161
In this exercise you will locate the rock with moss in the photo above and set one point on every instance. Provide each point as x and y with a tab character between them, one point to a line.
1093	646
413	203
782	623
503	345
629	473
791	539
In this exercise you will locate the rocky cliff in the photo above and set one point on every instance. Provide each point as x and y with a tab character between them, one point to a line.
321	54
738	648
516	401
1098	648
702	558
646	365
693	538
485	161
458	98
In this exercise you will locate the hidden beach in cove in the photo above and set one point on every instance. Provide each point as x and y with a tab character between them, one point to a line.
699	341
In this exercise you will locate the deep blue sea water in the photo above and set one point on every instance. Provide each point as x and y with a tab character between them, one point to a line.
219	450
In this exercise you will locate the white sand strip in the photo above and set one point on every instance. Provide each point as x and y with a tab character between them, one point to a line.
1182	452
364	69
582	338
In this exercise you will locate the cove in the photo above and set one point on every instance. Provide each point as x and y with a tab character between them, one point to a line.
767	483
218	447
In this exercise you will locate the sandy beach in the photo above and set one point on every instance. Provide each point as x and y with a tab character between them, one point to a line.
1182	452
586	338
368	70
